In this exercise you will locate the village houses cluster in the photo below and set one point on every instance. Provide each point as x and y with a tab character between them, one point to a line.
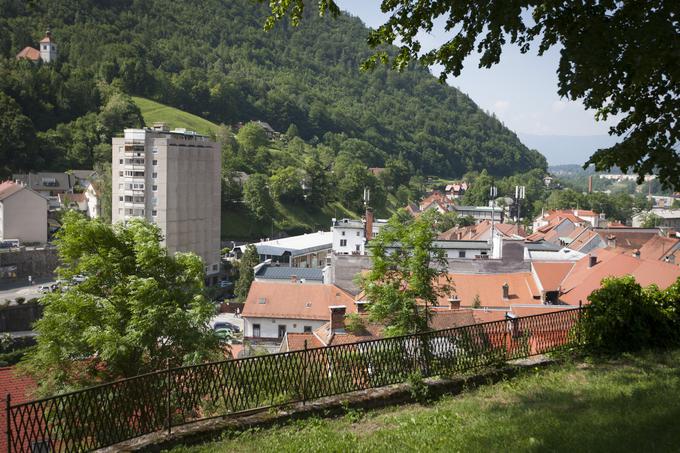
304	286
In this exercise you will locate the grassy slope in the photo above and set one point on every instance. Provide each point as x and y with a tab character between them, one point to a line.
155	112
627	404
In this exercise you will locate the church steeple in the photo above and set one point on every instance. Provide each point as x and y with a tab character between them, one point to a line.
48	48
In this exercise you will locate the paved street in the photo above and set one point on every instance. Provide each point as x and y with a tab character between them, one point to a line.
12	291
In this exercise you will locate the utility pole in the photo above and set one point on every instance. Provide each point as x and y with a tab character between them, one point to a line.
520	192
493	192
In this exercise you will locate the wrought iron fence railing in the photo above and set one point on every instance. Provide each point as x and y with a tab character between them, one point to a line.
107	414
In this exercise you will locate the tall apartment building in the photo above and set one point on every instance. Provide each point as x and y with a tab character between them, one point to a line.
171	178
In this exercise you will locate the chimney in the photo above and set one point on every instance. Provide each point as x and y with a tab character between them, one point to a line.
592	261
454	303
293	279
337	318
611	241
636	253
368	234
506	291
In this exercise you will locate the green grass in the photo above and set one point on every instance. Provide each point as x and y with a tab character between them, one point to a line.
627	404
156	112
239	224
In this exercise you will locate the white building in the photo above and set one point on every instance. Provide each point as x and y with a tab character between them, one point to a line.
665	218
94	209
23	214
274	309
480	213
171	178
47	52
349	235
305	250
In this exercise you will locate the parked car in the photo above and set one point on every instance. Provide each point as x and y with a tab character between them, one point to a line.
226	325
225	284
45	288
78	279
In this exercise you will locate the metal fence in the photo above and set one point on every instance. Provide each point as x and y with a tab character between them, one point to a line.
107	414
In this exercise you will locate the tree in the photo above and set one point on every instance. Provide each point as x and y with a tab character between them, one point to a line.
251	136
619	58
650	220
246	275
17	139
316	181
478	193
256	196
136	309
408	275
286	184
292	131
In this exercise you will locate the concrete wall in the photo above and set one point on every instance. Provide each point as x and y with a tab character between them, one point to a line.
269	327
38	263
24	216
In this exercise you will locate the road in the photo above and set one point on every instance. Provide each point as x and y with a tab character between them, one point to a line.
26	291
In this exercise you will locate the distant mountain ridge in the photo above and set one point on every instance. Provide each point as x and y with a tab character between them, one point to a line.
567	149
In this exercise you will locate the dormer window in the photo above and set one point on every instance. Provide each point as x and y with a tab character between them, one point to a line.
262	301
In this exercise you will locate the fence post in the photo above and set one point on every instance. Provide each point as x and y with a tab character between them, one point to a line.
304	375
9	425
168	413
578	328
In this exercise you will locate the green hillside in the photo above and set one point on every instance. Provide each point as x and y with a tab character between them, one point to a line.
211	58
153	112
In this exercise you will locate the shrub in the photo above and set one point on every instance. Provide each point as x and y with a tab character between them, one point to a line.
20	300
623	316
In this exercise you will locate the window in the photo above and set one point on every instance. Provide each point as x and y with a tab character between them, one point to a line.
120	161
154	175
343	242
120	173
256	330
343	233
155	162
358	247
120	198
214	265
307	329
461	254
154	188
154	213
282	330
155	150
358	233
133	174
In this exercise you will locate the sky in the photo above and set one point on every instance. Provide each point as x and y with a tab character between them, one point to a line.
521	90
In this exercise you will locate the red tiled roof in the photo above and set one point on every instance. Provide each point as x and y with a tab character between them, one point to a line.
582	240
583	280
29	53
658	247
475	232
9	188
20	388
488	287
551	274
294	301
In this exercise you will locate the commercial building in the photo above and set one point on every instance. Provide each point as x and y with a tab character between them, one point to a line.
171	178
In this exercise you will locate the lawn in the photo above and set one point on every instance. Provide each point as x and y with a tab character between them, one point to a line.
630	403
153	112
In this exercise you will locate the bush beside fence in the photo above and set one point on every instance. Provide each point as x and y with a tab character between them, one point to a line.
110	413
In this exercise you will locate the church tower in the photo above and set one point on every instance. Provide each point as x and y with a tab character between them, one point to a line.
48	48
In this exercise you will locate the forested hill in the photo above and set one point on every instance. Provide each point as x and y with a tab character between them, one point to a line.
211	58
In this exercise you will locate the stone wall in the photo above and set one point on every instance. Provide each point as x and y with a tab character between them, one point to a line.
17	265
